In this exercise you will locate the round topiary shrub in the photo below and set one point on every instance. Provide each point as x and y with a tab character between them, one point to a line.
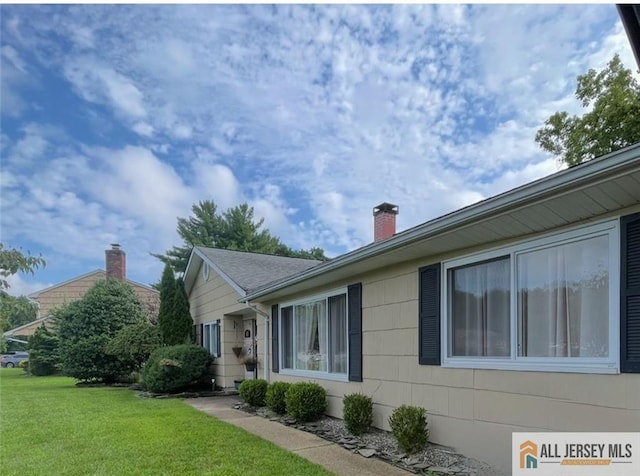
253	392
357	413
276	393
170	369
409	428
306	401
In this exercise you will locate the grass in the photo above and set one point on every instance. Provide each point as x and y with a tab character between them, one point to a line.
49	426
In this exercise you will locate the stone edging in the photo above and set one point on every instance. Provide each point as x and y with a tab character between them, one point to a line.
355	445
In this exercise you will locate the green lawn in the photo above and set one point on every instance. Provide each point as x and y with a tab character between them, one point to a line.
50	427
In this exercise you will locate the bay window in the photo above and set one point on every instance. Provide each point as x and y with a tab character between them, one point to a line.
546	303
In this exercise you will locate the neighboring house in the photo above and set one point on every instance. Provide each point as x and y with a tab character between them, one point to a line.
73	289
518	313
216	282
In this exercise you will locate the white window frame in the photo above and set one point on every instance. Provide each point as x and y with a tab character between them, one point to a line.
212	342
608	365
314	374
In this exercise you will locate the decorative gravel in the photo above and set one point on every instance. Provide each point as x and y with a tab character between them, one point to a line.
433	460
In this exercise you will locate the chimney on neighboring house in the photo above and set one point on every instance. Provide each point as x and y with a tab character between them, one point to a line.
384	221
116	261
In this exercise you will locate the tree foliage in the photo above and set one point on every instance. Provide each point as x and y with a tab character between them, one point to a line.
174	318
172	368
235	229
13	261
612	123
16	311
181	322
86	326
43	352
133	344
167	300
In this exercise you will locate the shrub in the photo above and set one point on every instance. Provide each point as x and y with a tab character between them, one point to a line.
43	352
133	344
276	393
306	401
170	369
357	413
253	392
24	365
85	326
409	428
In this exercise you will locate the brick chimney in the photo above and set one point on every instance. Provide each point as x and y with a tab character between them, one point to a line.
116	262
384	221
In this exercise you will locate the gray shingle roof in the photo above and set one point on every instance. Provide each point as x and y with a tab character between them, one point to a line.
254	270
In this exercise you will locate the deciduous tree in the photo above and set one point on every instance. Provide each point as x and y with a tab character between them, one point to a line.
612	123
13	261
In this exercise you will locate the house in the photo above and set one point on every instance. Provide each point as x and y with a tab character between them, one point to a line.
217	282
73	289
517	313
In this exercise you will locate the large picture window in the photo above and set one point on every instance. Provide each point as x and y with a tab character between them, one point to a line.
549	301
314	335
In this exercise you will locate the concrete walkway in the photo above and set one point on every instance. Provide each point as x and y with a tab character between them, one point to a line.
329	455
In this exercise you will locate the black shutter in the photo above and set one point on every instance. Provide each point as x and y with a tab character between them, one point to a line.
275	362
630	294
194	334
354	306
201	328
219	338
429	316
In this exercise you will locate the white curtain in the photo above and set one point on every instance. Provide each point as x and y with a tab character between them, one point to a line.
338	334
563	300
321	351
311	336
304	334
480	309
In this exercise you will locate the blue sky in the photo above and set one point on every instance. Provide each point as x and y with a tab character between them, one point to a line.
116	119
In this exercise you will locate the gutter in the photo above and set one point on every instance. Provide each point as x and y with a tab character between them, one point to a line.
611	164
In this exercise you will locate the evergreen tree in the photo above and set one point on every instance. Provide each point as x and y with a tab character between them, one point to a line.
235	229
181	322
167	303
43	352
86	326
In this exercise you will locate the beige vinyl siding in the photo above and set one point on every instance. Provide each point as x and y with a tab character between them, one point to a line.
216	299
57	296
66	293
474	411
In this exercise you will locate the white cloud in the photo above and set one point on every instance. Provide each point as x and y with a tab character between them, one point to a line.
312	115
217	182
21	287
142	128
98	83
134	181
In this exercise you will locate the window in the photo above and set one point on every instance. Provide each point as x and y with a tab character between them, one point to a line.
548	303
211	337
480	309
314	335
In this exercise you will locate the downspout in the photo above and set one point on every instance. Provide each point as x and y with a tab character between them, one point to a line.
265	348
